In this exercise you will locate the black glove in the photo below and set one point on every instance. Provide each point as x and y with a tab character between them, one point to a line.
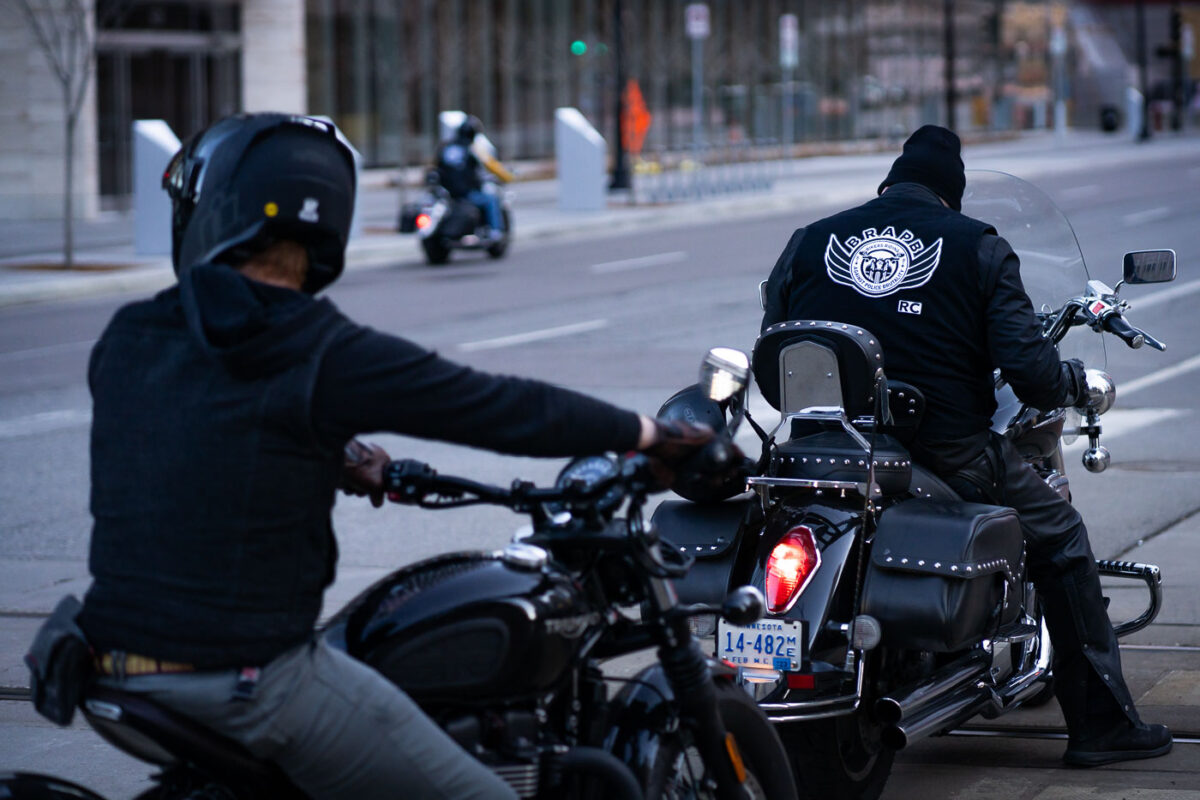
1075	379
675	443
696	463
362	471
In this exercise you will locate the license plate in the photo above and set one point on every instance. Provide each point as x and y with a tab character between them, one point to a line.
770	643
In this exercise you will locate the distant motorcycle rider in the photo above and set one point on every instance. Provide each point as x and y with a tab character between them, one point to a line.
224	415
943	294
460	164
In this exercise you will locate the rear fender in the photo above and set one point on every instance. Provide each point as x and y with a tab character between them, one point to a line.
822	600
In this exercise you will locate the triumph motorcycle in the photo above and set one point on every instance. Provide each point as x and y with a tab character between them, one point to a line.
504	651
896	610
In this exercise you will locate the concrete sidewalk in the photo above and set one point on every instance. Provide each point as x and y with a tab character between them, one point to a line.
108	263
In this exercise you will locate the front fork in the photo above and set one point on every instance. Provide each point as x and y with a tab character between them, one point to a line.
691	682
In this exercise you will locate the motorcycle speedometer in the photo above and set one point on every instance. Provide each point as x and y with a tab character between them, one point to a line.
590	470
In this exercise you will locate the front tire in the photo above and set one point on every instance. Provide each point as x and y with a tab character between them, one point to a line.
678	771
839	759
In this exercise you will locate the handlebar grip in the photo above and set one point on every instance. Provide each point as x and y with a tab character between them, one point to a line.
408	481
1116	325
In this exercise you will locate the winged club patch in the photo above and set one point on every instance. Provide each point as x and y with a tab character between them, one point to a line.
881	263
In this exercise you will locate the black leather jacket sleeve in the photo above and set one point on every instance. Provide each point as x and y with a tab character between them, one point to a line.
1026	360
777	292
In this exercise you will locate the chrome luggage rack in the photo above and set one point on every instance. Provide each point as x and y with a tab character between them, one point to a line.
762	486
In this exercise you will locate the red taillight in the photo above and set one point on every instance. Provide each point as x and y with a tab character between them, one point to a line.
789	567
423	220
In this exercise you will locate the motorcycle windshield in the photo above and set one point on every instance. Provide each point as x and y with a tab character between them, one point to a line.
1052	265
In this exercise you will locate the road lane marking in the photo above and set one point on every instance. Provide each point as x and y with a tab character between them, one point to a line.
1149	215
1155	378
1122	421
1163	296
534	336
45	422
655	260
34	352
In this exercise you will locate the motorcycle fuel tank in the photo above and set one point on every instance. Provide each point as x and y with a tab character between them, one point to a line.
466	626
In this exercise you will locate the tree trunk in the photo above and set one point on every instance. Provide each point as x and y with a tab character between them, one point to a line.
68	186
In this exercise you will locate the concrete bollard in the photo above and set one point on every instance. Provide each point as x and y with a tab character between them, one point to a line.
154	143
579	152
1133	112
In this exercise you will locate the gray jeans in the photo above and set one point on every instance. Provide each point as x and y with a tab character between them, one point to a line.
337	727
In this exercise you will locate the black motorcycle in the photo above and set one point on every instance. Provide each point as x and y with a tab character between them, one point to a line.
896	610
504	651
444	223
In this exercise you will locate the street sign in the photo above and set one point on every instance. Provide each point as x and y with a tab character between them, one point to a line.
789	41
635	122
696	19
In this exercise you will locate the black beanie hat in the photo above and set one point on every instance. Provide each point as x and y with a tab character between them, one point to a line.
931	158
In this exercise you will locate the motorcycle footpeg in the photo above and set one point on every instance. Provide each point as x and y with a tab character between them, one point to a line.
1148	574
1017	632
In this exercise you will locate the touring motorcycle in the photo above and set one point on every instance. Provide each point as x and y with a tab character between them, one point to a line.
444	223
503	650
896	610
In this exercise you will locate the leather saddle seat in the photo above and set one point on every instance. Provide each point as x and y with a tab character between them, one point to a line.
158	735
833	455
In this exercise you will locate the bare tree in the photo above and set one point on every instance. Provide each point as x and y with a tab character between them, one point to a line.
65	34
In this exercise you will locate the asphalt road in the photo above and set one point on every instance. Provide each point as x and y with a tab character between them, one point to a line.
624	316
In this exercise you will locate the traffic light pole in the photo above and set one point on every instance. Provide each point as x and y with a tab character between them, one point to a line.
620	169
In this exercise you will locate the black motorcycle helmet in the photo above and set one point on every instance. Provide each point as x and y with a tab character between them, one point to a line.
470	127
253	179
692	405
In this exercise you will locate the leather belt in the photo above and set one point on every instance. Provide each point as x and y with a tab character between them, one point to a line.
119	663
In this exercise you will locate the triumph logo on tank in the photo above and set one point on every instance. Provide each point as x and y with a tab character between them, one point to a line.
881	263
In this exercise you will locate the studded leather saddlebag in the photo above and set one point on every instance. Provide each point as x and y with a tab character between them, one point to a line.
943	575
708	533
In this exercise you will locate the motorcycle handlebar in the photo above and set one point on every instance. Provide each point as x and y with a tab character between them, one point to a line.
415	483
1117	325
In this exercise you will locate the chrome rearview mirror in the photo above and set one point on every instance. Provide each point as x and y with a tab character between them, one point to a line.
1150	266
762	295
724	373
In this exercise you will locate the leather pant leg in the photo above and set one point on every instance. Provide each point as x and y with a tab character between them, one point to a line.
1087	663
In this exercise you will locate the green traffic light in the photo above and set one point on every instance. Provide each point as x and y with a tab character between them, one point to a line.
578	47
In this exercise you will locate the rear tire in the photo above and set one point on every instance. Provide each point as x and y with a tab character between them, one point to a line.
678	769
839	759
436	253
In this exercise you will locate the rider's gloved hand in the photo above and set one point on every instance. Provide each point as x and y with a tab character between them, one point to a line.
671	444
362	471
694	461
1075	379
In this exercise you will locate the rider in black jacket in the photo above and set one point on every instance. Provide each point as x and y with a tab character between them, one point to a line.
943	294
224	415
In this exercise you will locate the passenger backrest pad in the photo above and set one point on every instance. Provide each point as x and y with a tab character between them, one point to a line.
805	363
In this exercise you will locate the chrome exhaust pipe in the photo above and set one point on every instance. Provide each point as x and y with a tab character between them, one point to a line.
893	709
937	717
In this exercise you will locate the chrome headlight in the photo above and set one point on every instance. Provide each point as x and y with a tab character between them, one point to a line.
1100	390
